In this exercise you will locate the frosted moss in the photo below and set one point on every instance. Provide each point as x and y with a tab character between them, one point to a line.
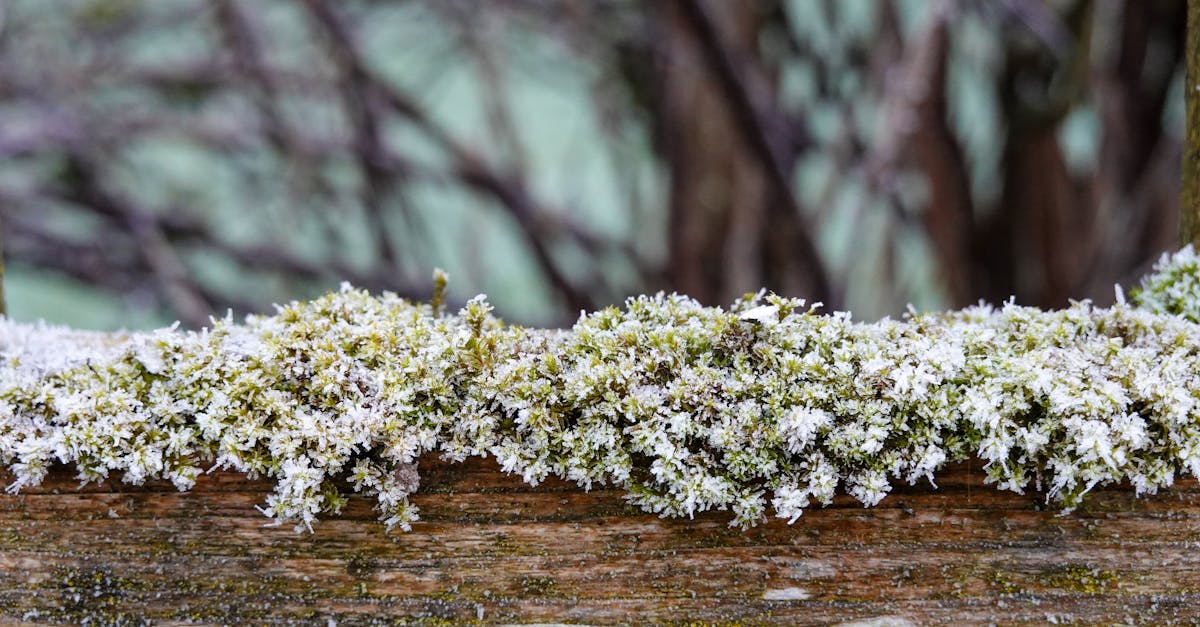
1174	287
768	406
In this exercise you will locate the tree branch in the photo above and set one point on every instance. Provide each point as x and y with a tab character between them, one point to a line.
511	194
358	100
173	277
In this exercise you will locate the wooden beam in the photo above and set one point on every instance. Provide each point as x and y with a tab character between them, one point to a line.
490	549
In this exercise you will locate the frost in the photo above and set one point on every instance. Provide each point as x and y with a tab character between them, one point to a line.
687	408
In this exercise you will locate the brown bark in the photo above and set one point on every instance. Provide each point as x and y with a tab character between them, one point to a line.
917	112
491	549
1189	230
717	194
1034	245
1137	158
1049	222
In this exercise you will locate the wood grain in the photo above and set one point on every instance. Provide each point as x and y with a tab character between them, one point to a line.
491	550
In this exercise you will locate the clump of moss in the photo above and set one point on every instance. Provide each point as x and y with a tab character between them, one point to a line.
1173	287
767	404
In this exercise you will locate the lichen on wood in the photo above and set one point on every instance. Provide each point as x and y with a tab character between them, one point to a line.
768	406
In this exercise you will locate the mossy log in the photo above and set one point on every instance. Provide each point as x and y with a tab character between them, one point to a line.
729	423
491	549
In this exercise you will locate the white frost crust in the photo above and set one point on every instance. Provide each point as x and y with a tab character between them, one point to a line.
40	348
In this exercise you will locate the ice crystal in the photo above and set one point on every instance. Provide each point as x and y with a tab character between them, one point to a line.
687	408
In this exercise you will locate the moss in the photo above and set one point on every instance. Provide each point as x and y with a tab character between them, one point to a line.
1002	581
768	406
360	566
531	586
1080	578
93	596
97	596
447	594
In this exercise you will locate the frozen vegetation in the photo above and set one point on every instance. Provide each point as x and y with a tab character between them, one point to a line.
764	408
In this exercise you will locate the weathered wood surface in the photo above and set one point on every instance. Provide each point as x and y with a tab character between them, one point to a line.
490	549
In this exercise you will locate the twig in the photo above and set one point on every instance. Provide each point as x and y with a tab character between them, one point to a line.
248	61
476	39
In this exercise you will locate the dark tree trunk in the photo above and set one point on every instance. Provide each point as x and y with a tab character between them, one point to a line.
1190	226
735	225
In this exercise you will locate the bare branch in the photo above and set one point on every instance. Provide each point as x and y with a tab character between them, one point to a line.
511	193
358	99
473	30
248	60
174	278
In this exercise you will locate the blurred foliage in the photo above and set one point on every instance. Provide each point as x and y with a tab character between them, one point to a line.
170	158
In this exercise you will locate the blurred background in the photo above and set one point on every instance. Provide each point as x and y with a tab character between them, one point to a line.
165	159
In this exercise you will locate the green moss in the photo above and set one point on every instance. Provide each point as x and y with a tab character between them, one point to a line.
768	406
1002	581
447	594
92	595
532	586
360	566
1080	578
